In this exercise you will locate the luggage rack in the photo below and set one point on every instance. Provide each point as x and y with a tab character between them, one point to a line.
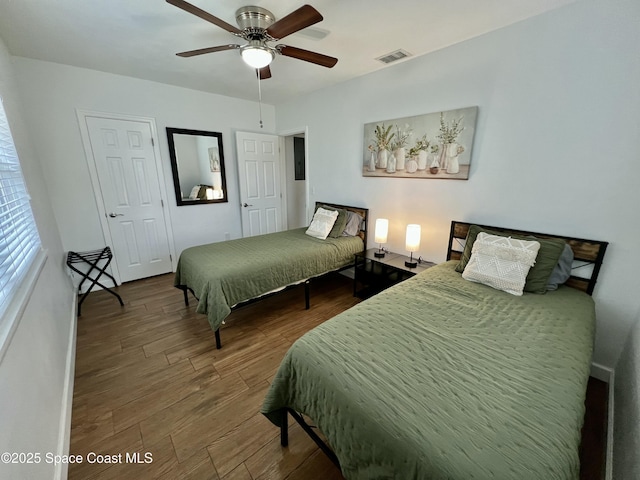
93	259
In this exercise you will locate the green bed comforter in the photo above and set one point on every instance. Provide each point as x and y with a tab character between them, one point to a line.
226	273
440	378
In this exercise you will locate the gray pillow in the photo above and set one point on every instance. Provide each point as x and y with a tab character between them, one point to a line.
562	270
353	224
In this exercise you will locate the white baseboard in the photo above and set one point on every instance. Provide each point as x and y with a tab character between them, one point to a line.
601	372
610	410
607	374
64	430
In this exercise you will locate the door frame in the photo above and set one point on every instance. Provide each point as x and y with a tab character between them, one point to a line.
283	178
95	181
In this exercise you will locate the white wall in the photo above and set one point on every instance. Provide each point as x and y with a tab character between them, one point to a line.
556	145
626	464
555	150
53	92
34	406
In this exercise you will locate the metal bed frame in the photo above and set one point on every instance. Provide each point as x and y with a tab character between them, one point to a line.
363	212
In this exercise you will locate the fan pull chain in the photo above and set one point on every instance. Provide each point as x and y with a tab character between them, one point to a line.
259	96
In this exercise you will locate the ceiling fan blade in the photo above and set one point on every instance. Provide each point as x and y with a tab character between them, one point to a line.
301	18
264	72
201	51
307	56
187	7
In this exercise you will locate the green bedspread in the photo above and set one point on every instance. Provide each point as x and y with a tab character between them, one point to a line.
440	378
226	273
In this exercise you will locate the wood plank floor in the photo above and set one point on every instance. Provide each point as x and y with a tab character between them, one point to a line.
148	379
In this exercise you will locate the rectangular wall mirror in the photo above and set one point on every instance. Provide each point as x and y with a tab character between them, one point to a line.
197	163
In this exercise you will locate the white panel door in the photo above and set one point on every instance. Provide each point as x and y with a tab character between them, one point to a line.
260	190
126	167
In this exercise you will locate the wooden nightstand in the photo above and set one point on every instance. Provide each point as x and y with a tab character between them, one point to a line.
373	274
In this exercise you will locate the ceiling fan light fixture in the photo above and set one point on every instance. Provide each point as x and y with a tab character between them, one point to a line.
258	27
256	55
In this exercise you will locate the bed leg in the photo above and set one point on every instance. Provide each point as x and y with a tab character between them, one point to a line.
218	343
186	297
314	436
284	429
306	295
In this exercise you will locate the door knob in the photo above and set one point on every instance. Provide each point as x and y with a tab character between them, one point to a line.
247	205
114	215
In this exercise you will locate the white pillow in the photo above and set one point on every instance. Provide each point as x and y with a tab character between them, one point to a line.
322	223
354	221
194	193
501	262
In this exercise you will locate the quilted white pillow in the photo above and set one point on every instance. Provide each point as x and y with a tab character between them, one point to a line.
501	262
322	223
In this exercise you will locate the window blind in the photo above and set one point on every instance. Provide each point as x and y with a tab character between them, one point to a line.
19	239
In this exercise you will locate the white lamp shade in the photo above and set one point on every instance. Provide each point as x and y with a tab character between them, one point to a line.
382	230
413	237
256	56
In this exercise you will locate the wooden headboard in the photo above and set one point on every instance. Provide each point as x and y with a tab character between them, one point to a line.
588	254
363	212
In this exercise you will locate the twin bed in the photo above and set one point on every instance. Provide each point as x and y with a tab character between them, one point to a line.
228	274
442	378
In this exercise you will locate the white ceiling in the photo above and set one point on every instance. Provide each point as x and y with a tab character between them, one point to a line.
139	38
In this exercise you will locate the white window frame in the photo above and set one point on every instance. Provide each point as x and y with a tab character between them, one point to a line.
24	265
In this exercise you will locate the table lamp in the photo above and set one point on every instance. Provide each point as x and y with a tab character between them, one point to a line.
412	243
382	230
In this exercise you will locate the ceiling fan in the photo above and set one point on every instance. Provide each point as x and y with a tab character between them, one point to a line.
258	27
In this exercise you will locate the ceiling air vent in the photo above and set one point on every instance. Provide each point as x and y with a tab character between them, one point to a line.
394	56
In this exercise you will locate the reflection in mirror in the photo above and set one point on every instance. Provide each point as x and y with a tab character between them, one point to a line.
197	162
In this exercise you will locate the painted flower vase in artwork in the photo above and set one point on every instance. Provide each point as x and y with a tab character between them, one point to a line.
452	150
444	158
382	158
391	164
372	163
399	155
453	166
422	160
411	166
435	166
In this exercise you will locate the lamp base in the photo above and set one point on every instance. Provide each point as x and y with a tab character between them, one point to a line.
379	254
410	264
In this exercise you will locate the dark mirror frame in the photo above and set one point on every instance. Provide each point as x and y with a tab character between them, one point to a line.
174	166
